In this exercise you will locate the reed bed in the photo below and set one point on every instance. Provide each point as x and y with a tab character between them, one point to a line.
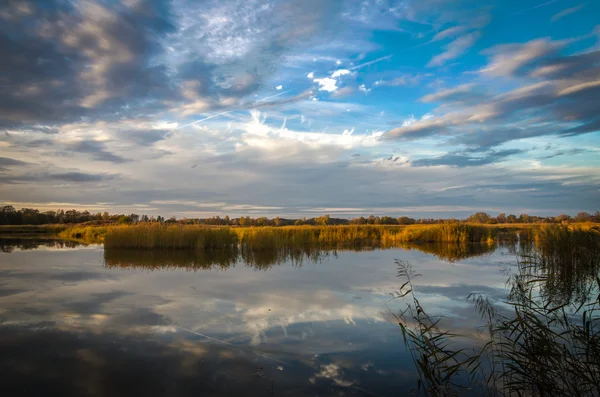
146	236
269	238
568	257
88	234
314	236
444	233
569	246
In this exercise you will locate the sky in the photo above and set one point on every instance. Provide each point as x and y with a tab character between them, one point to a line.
426	108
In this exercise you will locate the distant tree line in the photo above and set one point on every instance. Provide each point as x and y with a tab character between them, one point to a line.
29	216
482	217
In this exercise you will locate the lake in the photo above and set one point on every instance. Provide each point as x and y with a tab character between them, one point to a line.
76	320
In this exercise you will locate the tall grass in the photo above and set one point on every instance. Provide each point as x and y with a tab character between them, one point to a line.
146	236
89	234
268	238
544	344
440	366
445	233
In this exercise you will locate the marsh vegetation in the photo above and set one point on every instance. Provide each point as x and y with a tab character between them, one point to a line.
543	340
208	238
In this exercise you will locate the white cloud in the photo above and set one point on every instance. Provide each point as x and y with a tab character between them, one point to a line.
340	72
311	75
403	80
259	134
327	84
279	87
364	88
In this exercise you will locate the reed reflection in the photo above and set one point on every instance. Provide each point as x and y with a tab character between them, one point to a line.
264	258
8	245
562	263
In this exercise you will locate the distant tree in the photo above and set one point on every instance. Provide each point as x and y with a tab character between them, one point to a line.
50	217
29	216
263	221
358	221
583	217
479	217
322	220
71	216
511	218
60	216
404	220
501	218
524	218
388	220
563	218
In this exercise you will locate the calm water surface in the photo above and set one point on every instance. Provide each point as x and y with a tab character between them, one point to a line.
77	321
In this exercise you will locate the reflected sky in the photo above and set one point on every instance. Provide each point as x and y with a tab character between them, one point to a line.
318	328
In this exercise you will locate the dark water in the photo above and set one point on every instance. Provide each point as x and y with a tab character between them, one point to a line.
77	321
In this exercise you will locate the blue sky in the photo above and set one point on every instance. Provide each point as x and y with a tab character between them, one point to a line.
298	108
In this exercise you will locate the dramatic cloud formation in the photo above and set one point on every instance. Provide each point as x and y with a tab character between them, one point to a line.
193	108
